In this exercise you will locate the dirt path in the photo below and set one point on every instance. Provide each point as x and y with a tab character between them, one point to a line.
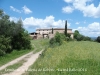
15	61
25	65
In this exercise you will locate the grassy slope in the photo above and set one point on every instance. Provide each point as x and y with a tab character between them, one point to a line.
39	44
84	57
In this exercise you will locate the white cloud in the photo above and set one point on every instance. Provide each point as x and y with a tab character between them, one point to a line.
67	9
68	1
92	29
26	10
14	19
44	23
77	23
86	7
48	22
14	9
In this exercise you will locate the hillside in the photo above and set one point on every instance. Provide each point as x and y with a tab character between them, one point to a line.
72	58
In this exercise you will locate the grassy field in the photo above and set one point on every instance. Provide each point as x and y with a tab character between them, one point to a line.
37	44
72	58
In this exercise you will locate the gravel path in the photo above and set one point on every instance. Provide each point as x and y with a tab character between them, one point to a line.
25	65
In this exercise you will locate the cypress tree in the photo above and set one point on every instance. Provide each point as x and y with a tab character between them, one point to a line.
52	30
66	28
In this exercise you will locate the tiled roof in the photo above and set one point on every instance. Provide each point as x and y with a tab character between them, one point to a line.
53	29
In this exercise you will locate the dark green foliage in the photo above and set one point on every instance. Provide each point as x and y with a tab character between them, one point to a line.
66	28
63	37
52	42
5	45
76	33
57	40
21	41
12	35
98	39
68	35
80	37
52	30
86	38
69	39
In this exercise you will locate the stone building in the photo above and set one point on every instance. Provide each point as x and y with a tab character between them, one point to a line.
47	33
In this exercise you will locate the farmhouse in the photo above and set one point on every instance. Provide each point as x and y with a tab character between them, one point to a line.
47	33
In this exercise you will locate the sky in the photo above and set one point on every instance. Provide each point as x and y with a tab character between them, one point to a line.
81	15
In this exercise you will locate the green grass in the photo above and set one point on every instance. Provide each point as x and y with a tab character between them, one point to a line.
39	44
72	58
12	67
15	54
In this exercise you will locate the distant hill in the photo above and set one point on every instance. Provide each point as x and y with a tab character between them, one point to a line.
93	38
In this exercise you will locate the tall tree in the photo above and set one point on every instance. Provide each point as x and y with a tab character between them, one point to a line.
12	35
76	33
52	30
66	28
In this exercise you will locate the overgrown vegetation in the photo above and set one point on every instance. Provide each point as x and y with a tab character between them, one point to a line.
98	39
80	37
12	35
57	39
73	58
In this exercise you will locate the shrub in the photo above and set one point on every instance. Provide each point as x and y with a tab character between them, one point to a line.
58	38
79	37
98	39
68	35
69	39
5	45
21	41
63	37
2	52
52	41
86	38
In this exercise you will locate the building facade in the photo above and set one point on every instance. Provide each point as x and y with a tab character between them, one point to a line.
47	33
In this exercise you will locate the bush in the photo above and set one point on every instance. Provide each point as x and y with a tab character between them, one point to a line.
86	38
63	37
79	37
2	53
58	38
5	45
68	35
21	41
69	39
52	41
98	39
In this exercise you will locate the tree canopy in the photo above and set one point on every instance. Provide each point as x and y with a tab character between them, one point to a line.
12	35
